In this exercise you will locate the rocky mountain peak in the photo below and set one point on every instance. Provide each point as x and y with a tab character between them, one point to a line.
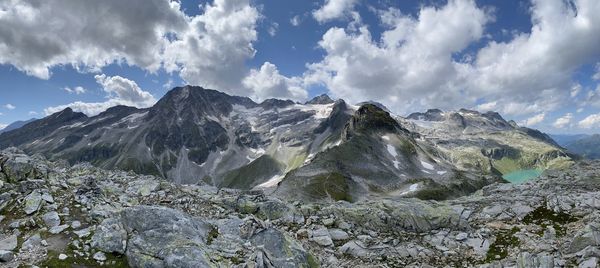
370	118
321	99
275	103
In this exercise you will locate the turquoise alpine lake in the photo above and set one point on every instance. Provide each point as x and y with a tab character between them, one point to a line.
521	176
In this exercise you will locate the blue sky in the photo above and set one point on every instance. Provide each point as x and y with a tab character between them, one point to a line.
534	61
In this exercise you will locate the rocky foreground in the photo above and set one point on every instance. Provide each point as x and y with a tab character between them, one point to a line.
55	215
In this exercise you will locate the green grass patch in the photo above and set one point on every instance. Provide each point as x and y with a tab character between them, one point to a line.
544	217
505	240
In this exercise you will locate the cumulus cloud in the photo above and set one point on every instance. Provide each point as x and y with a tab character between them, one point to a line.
411	67
334	9
215	45
10	106
119	91
209	49
542	60
563	121
38	35
591	121
267	82
534	120
420	61
76	90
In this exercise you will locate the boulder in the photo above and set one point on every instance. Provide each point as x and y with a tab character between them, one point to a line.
51	219
8	243
161	236
282	249
110	236
33	202
6	256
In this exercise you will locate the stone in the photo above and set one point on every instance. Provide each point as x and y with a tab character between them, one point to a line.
47	197
76	224
328	222
62	257
589	236
83	232
58	229
480	246
283	250
324	241
6	256
51	219
99	256
109	236
338	235
462	236
354	249
8	243
33	202
32	242
590	263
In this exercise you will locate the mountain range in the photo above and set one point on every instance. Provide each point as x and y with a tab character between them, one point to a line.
319	150
587	146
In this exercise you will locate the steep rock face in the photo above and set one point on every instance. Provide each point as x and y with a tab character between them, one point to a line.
485	142
192	135
376	157
329	150
321	99
40	128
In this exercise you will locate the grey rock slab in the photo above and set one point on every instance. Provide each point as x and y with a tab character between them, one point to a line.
51	219
32	242
337	234
282	249
33	202
110	236
8	243
6	256
354	249
58	229
173	238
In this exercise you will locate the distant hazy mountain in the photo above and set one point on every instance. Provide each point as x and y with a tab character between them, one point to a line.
563	139
587	146
16	125
320	150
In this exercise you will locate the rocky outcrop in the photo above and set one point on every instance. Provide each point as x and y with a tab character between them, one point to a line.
88	216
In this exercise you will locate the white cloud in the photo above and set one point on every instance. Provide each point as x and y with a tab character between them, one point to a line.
214	47
414	65
33	113
209	49
296	20
268	83
591	121
272	30
10	106
596	75
3	126
563	121
534	120
76	90
542	60
411	67
38	35
334	9
489	106
119	91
